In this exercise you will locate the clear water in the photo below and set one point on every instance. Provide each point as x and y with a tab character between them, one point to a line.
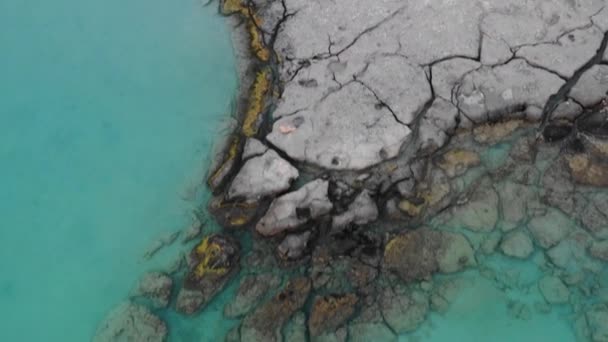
107	113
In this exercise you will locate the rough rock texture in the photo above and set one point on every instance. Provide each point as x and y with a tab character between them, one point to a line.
266	321
592	86
262	176
417	254
550	229
554	290
295	208
457	162
599	250
253	147
212	263
480	212
404	310
131	322
251	290
293	246
330	312
363	210
155	286
517	244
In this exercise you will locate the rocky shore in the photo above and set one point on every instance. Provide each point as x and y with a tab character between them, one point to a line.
381	152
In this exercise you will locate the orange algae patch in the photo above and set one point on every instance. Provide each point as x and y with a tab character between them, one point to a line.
208	251
259	90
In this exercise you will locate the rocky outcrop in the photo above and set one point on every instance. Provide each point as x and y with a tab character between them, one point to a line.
131	322
261	176
212	263
156	287
252	290
330	312
266	321
296	208
293	246
363	210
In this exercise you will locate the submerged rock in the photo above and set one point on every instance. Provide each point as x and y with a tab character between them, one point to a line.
403	309
554	290
251	290
156	287
599	250
262	176
369	325
131	322
597	323
480	212
587	171
264	324
212	263
517	244
550	229
296	208
417	254
330	312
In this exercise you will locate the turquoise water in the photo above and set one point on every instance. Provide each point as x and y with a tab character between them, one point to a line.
107	113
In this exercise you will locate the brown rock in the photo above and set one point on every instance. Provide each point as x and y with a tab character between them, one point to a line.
491	133
412	255
456	162
330	312
587	171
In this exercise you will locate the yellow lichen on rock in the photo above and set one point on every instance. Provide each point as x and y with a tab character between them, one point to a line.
207	251
253	27
217	177
456	162
587	171
411	208
257	96
491	133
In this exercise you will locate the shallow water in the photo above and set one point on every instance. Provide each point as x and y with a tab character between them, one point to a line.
107	114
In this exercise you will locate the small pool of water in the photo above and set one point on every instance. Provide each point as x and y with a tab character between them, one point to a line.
107	113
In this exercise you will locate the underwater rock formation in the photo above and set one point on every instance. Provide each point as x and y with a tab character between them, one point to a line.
131	322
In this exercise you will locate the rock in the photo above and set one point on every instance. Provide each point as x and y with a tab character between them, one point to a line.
330	312
571	254
494	51
599	250
234	335
212	263
296	328
588	171
455	253
446	291
262	176
162	242
156	287
480	213
412	254
436	126
550	229
492	133
417	254
519	310
295	208
597	322
456	162
594	221
192	232
340	335
490	242
568	54
554	290
369	325
324	135
266	321
403	310
232	214
131	322
407	187
492	92
558	188
253	147
251	290
448	74
293	246
513	203
363	210
591	88
517	244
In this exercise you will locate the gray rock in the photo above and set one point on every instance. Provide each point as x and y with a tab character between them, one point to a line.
448	74
550	229
568	110
517	244
480	213
369	325
386	77
263	176
296	328
597	322
455	253
251	290
296	208
567	55
513	203
592	86
155	286
363	210
494	50
594	221
253	147
490	92
437	124
571	254
325	134
554	290
293	246
131	322
490	242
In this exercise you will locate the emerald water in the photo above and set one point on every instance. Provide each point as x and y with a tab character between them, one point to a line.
107	114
